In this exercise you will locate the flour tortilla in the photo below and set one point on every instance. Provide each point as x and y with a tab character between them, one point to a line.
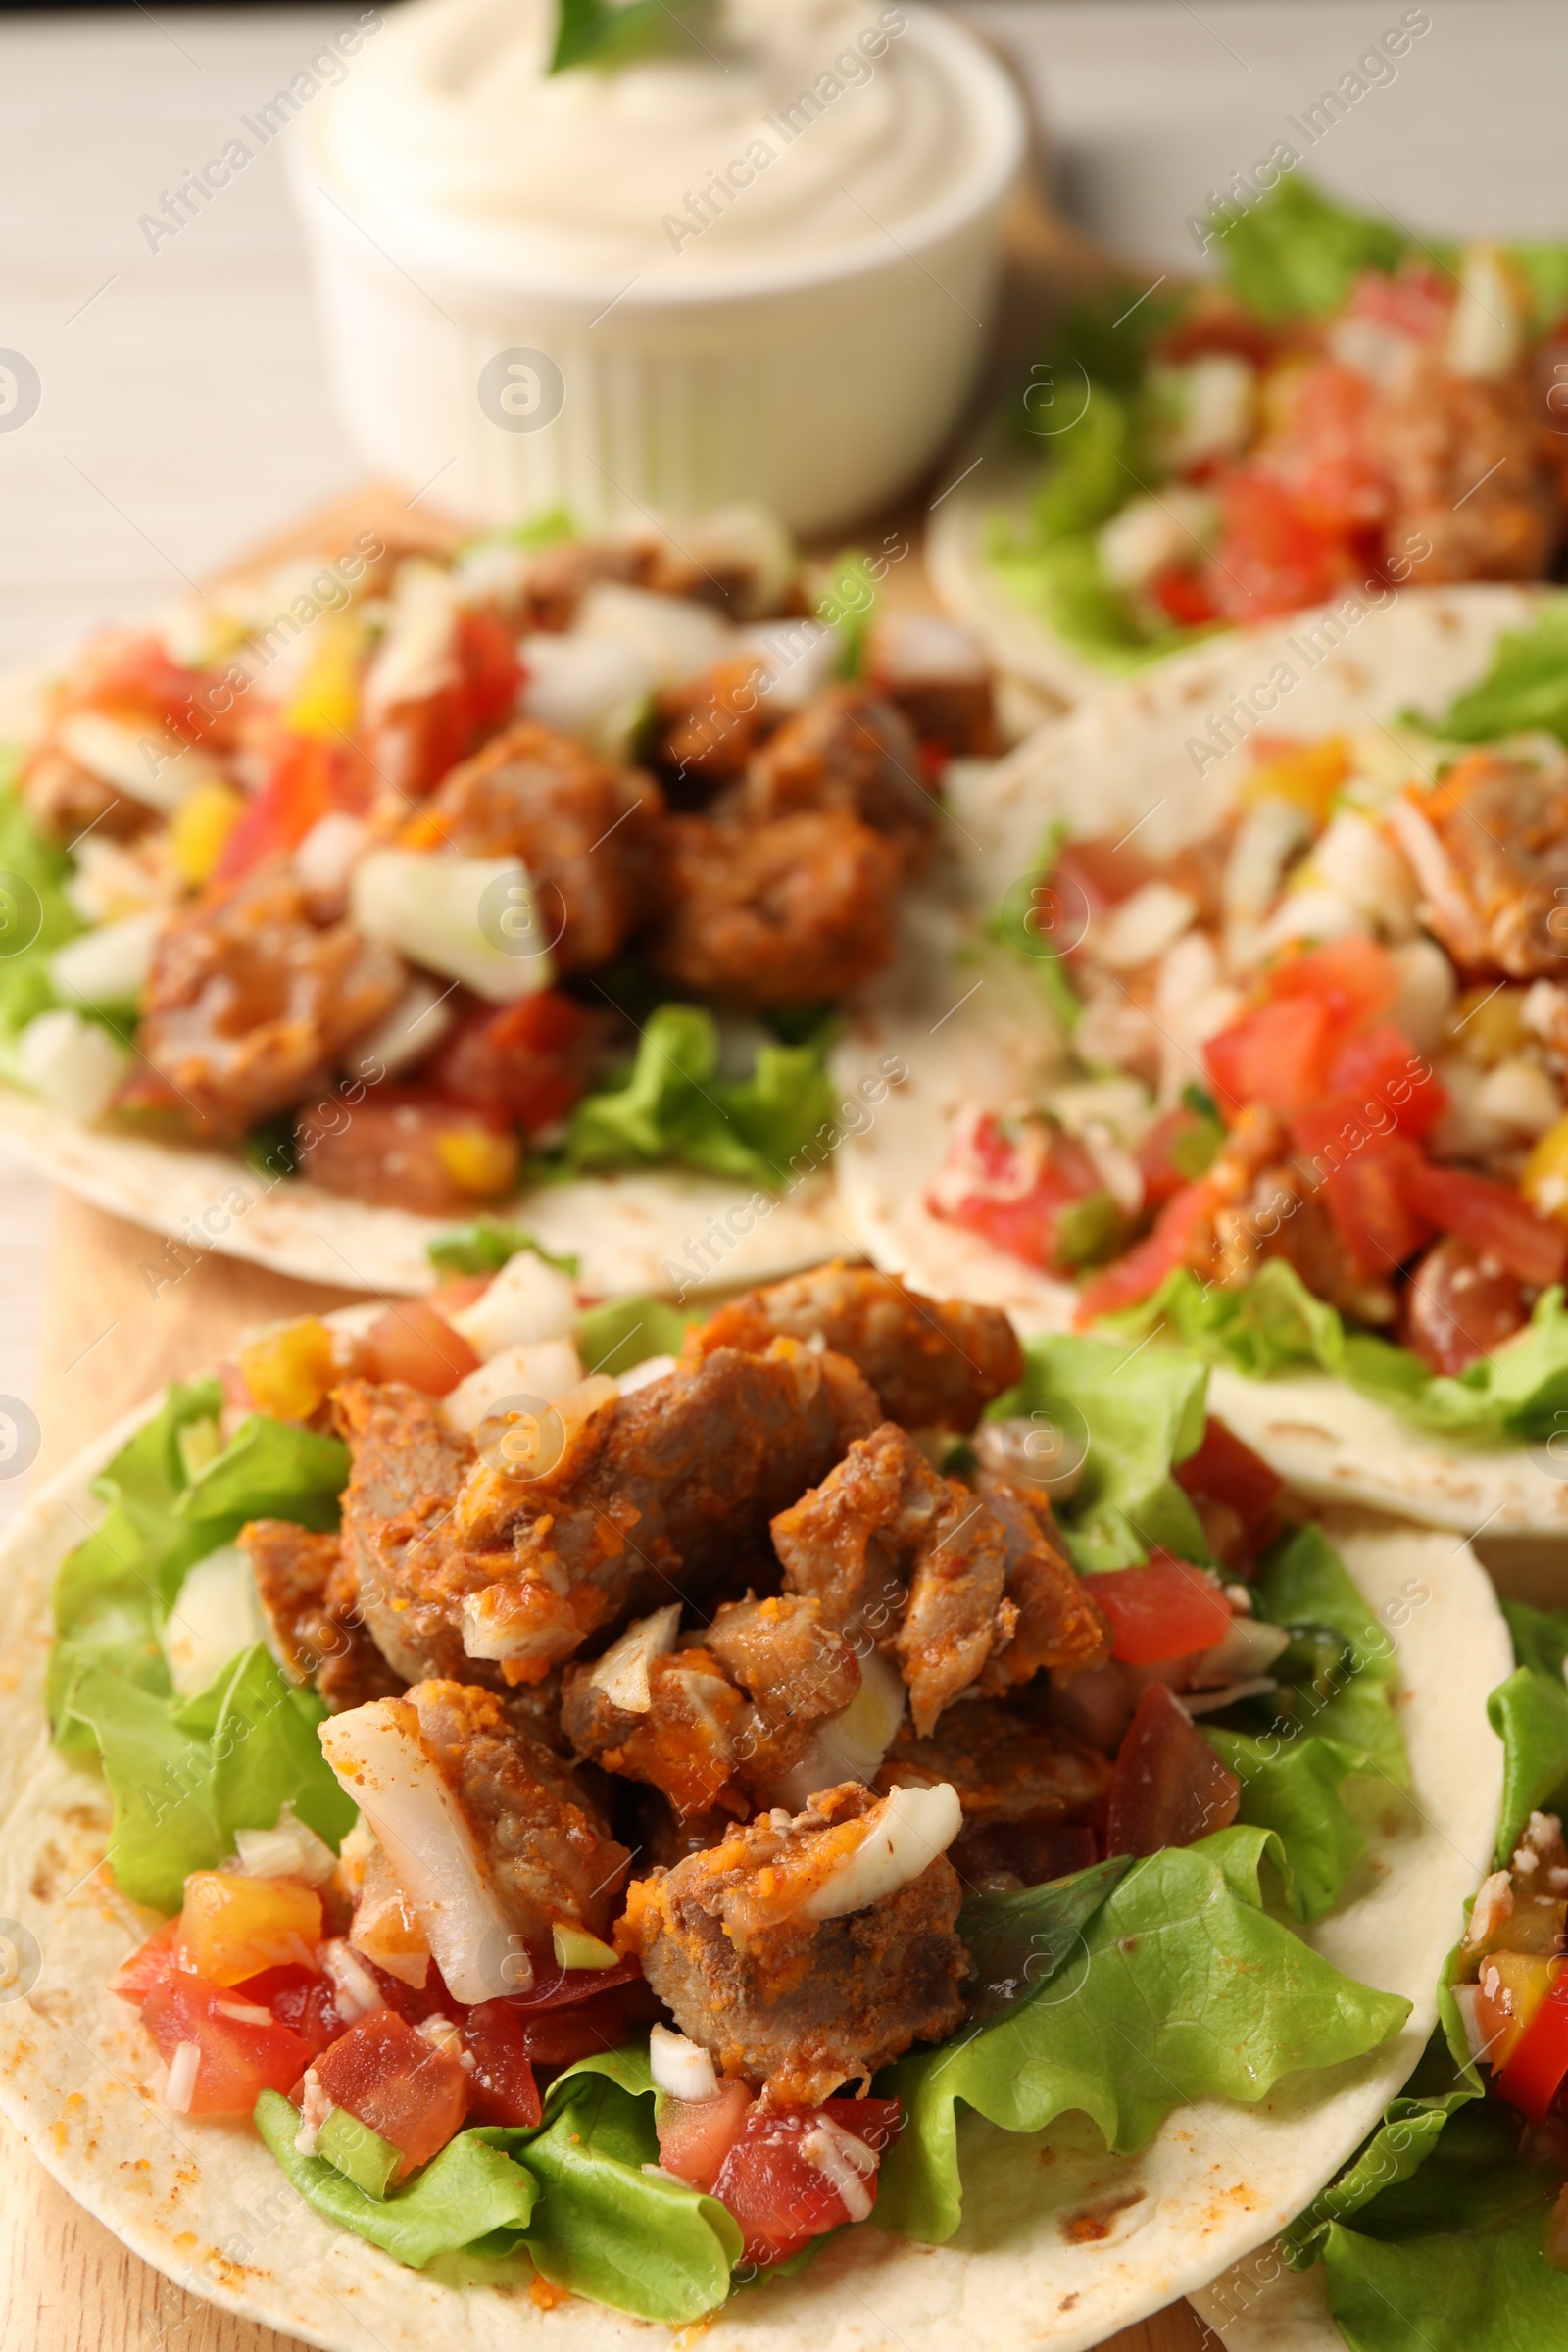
204	2202
1119	763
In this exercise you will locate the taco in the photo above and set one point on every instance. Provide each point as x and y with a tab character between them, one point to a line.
1448	2230
597	1845
385	884
1345	404
1261	1052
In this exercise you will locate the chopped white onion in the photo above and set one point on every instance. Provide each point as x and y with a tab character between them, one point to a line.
1250	1647
644	1375
1486	329
443	913
1151	535
73	1063
848	1745
1427	990
541	1371
109	965
415	659
145	764
527	1301
1142	926
843	2161
184	2068
904	1834
596	688
681	2068
621	1674
216	1616
1357	860
355	1991
1519	1094
799	659
326	858
290	1851
413	1028
676	638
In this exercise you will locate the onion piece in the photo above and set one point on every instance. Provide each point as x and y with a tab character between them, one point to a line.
681	2068
904	1834
843	2161
848	1745
621	1674
184	2068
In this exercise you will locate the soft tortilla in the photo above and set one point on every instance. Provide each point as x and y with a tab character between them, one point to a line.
1120	762
205	2203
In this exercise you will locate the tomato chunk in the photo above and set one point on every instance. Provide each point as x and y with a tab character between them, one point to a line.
1168	1787
241	2050
1370	1206
1535	2072
778	2194
1457	1309
1382	1077
298	1998
695	2136
399	2083
412	1343
501	2087
1180	1229
1492	1220
151	1963
1275	1055
1164	1609
1019	1186
1226	1470
527	1062
310	780
232	1927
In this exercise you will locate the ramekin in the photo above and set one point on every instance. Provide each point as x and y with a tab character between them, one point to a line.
821	388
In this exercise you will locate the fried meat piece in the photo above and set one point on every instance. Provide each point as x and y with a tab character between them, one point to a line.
406	1469
797	2003
1489	849
65	800
309	1593
708	729
852	754
915	1559
582	826
792	912
657	1495
1465	474
250	1003
676	1732
934	1363
1004	1769
797	1670
940	679
491	1839
558	578
1061	1627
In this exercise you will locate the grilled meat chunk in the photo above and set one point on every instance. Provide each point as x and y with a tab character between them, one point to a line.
785	912
1003	1768
308	1592
492	1840
65	800
667	1720
799	2003
249	1002
1465	476
797	1670
940	679
406	1469
708	729
1489	849
916	1559
850	752
581	826
934	1364
1061	1627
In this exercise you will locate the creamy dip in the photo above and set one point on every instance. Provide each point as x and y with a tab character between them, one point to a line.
803	129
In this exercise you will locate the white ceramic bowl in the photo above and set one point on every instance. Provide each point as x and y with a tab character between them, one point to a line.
821	388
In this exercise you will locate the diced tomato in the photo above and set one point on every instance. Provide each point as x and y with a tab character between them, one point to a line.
1379	1076
778	2196
501	2085
151	1963
527	1062
399	2083
240	2055
458	1291
1414	302
1014	1185
557	1987
1270	558
309	779
695	2136
561	2036
395	1150
1168	1787
1492	1220
1275	1055
1333	483
1166	1609
298	1998
491	669
1353	978
1369	1200
232	1927
412	1343
1184	597
1179	1229
1226	1470
1457	1309
127	677
1101	872
432	735
1174	1152
1535	2072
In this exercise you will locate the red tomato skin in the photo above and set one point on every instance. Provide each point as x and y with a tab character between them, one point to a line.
412	1344
310	780
1533	2074
501	2087
561	2035
1225	1469
779	2199
1370	1206
299	1999
1491	1220
1275	1055
398	2084
1380	1077
527	1062
238	2060
1334	484
1270	558
1356	979
1166	1609
1146	1266
458	1291
695	2136
1185	598
152	1963
1168	1787
1455	1310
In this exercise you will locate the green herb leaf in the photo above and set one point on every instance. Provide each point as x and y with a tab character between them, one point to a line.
464	2195
1182	1988
485	1247
38	913
605	34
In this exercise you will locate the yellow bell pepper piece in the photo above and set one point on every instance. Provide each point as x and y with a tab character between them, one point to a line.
289	1373
1544	1182
1522	1983
328	702
201	826
1308	777
232	1927
479	1160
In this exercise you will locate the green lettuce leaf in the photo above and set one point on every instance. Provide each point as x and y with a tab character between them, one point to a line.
464	2196
1181	1987
1294	1790
185	1777
621	1332
484	1248
1296	254
607	2229
1304	1582
673	1106
1529	1713
1525	689
1539	1637
268	1470
1129	1414
39	912
1275	1325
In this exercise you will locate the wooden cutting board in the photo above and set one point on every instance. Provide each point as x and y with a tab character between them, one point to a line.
116	1330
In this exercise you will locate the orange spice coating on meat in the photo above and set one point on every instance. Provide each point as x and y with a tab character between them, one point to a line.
1003	1768
791	911
311	1598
